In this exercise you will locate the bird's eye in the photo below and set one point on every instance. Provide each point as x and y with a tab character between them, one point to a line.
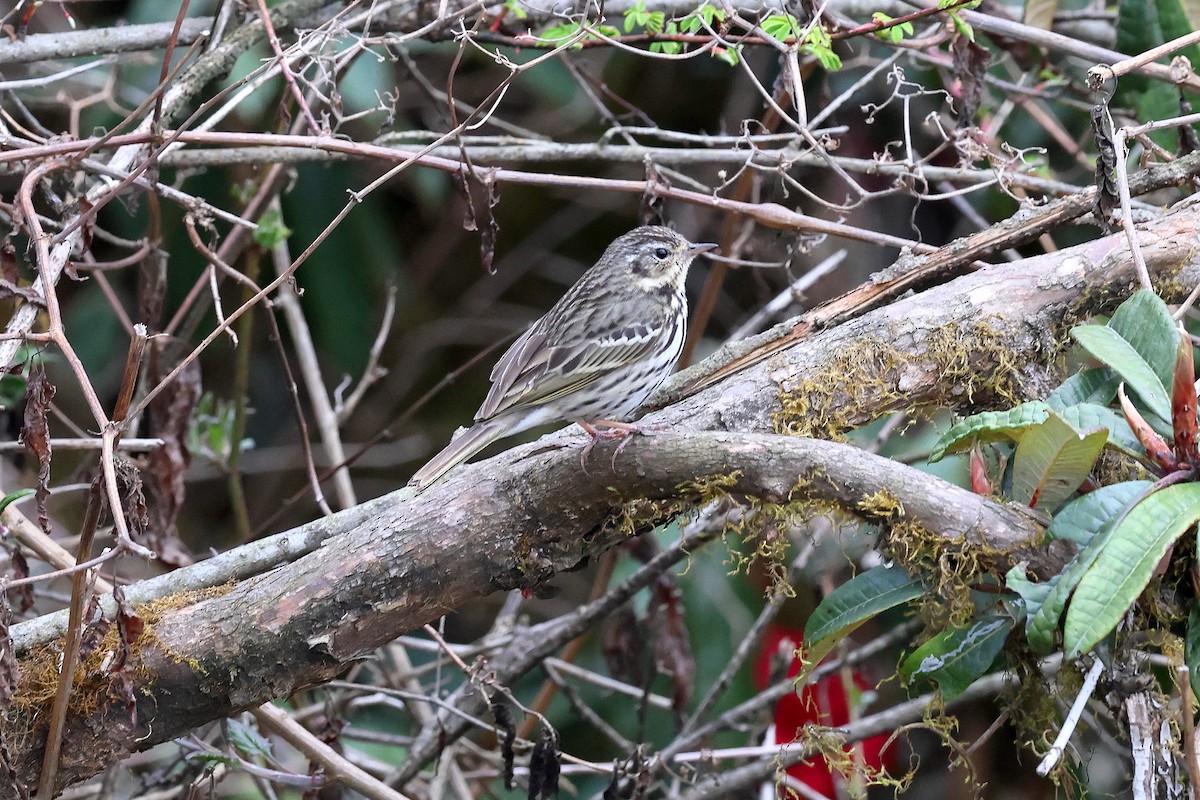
661	253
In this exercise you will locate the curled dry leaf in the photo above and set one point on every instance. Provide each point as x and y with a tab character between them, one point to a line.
651	211
35	435
624	647
545	763
476	207
970	67
169	415
672	646
1107	199
504	720
129	629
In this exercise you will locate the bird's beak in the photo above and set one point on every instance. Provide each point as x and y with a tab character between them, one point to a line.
702	247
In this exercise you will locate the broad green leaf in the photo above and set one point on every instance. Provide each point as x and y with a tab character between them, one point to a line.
1138	30
1146	323
1159	101
1083	517
1112	349
1179	19
955	658
860	598
1051	461
1032	593
853	603
1089	416
1092	518
990	426
1097	385
1124	567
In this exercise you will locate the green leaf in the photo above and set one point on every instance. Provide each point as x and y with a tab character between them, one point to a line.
1125	566
635	15
1138	30
1110	347
781	27
13	497
1051	461
247	741
1179	19
818	44
1090	520
894	34
850	605
730	55
961	26
1146	323
858	599
516	8
705	14
564	30
1032	594
828	59
1082	518
1096	385
673	48
955	658
271	231
1089	416
990	426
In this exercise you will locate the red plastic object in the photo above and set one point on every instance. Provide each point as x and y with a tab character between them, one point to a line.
824	703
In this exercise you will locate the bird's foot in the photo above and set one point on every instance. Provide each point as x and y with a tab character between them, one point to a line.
609	430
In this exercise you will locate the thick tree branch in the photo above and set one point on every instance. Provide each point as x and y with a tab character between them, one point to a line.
423	556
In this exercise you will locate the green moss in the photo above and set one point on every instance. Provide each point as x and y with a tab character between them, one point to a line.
863	380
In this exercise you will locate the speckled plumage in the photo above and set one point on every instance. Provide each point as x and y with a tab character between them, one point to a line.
596	355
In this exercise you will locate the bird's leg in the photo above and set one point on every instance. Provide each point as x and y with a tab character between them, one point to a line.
608	429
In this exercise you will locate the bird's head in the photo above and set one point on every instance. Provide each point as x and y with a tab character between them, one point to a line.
656	257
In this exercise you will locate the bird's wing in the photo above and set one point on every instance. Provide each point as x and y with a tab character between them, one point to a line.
532	373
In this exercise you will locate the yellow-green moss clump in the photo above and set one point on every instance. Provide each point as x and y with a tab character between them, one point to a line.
94	681
862	381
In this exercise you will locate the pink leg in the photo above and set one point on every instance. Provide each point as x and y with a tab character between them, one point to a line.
608	429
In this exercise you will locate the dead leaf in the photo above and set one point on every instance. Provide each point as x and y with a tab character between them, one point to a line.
35	435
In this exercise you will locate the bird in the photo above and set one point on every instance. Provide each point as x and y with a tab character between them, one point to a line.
595	356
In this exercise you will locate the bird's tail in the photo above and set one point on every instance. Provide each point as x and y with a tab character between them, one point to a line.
470	442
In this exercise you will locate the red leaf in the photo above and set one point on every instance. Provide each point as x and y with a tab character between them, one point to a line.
1156	448
980	484
1183	404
